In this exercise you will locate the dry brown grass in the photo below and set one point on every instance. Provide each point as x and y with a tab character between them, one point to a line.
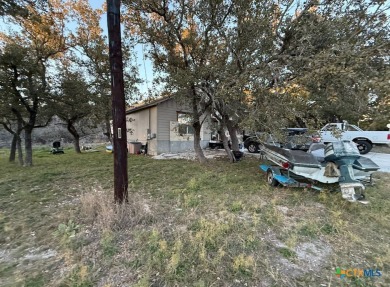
97	208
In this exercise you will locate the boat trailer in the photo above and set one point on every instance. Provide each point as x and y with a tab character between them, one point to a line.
338	162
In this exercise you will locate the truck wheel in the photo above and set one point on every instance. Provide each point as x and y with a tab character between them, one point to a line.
253	147
271	179
363	146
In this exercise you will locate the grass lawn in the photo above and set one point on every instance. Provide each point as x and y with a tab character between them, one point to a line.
185	225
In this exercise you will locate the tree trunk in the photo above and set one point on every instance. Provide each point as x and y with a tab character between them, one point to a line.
233	135
20	150
76	143
198	149
196	124
19	140
28	145
13	148
16	145
76	136
225	142
108	128
16	140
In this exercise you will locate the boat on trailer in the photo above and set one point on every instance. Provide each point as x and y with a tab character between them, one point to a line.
338	162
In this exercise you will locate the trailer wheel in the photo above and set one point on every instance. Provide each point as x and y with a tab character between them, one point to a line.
253	147
363	146
271	179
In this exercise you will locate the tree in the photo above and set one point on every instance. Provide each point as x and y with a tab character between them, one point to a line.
92	44
13	123
18	65
265	64
18	7
330	60
183	41
9	116
310	62
212	53
73	103
26	57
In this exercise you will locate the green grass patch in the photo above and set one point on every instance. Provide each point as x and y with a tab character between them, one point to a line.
108	245
37	281
287	253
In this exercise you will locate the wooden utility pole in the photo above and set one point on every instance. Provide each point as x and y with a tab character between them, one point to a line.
118	102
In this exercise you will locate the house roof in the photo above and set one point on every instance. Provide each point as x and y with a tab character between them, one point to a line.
150	104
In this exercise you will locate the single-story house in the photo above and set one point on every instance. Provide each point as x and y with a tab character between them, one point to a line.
165	126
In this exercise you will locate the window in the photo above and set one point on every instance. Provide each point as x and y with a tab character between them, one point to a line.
184	124
351	128
330	127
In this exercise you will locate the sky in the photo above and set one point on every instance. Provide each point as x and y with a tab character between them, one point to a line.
144	65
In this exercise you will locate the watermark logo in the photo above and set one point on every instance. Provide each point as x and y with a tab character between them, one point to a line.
342	273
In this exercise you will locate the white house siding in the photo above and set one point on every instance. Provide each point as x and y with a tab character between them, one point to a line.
166	112
152	147
153	120
205	131
137	126
167	137
159	120
152	142
177	142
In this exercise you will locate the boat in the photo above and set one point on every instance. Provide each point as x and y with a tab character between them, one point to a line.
337	162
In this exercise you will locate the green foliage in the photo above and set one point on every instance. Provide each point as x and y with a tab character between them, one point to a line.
271	215
327	229
60	71
80	277
312	62
309	230
27	52
37	281
236	206
287	253
244	264
108	244
67	229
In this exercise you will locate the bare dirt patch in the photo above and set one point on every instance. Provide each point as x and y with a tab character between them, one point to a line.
190	155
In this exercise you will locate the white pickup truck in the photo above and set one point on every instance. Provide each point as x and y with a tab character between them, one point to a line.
364	139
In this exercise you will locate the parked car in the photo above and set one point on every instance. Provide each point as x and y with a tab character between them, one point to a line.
364	140
295	138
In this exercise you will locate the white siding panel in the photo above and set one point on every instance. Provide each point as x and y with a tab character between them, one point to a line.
138	122
153	120
166	112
